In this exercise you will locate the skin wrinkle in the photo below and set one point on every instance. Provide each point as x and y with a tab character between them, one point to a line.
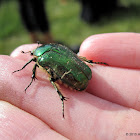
105	128
137	100
95	123
126	119
32	128
34	131
132	52
136	56
120	127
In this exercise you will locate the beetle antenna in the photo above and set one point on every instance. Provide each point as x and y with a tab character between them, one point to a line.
25	52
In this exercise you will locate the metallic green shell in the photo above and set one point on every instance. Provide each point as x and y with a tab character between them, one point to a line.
65	64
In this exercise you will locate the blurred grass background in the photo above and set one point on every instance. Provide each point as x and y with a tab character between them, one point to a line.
65	22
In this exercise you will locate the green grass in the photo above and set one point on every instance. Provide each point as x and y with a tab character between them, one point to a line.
65	22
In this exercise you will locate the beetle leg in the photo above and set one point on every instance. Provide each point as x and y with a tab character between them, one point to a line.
34	59
53	79
90	61
33	75
60	94
53	76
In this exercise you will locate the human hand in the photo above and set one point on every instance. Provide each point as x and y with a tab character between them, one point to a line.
103	111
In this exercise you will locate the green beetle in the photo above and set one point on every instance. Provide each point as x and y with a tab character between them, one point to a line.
61	64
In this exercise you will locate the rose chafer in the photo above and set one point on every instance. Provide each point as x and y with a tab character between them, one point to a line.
61	64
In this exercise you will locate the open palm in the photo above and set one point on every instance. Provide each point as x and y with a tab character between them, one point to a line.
108	109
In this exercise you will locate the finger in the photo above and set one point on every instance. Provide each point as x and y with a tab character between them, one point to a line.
116	49
17	124
84	112
118	85
17	53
